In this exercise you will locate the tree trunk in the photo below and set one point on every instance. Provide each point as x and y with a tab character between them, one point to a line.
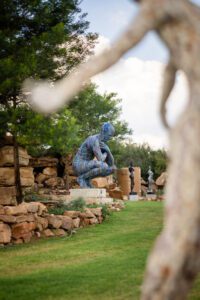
175	260
17	171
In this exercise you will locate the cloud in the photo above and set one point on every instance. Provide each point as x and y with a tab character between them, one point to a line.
138	83
102	44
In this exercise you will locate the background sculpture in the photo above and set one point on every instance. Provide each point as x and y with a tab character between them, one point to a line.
94	147
150	181
131	170
175	259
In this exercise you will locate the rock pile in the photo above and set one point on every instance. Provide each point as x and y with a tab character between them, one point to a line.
7	174
26	221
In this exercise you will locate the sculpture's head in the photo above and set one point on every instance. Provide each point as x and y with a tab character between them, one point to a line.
107	131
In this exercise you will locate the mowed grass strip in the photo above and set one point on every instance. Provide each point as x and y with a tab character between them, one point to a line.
100	262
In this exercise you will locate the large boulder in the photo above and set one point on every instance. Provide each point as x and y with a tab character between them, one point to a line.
7	156
54	221
25	218
7	218
7	176
41	223
5	233
8	195
67	223
22	230
20	209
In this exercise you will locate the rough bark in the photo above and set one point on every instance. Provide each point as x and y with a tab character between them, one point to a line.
175	260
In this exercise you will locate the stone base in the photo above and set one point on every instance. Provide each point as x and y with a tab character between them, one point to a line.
151	196
88	193
101	200
133	197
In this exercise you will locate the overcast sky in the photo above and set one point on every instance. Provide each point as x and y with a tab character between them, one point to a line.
137	77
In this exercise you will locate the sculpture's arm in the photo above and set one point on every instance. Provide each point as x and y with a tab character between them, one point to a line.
109	158
97	151
168	84
47	99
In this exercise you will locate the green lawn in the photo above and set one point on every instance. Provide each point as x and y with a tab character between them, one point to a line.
100	262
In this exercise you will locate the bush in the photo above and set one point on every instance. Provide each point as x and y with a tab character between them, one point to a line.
78	204
105	211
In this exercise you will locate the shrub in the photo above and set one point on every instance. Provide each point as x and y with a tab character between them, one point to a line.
77	204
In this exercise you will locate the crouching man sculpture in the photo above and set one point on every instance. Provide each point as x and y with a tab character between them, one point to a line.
94	147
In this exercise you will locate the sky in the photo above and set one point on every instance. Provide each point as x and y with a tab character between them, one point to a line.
137	77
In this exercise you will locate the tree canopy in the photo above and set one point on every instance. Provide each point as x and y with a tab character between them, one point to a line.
40	39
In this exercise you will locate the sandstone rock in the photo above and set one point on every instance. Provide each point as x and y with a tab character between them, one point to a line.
41	209
59	232
7	156
100	182
47	233
27	237
50	171
93	221
20	209
7	176
54	221
2	210
116	193
43	162
5	233
67	223
8	195
40	178
36	207
162	179
41	223
87	214
76	222
85	222
25	218
32	207
27	177
96	211
7	219
54	182
72	213
21	230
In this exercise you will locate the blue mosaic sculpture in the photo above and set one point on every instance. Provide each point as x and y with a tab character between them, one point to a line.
94	147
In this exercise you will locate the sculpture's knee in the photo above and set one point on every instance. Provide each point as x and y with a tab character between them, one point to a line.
101	164
107	171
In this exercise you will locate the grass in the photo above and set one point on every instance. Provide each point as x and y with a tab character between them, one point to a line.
101	262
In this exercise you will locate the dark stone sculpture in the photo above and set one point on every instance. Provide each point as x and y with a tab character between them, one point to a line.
131	170
94	147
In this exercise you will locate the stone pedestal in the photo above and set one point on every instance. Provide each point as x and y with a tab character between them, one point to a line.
91	196
85	193
134	197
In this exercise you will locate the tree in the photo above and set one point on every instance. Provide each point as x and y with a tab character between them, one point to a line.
142	156
92	109
38	39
